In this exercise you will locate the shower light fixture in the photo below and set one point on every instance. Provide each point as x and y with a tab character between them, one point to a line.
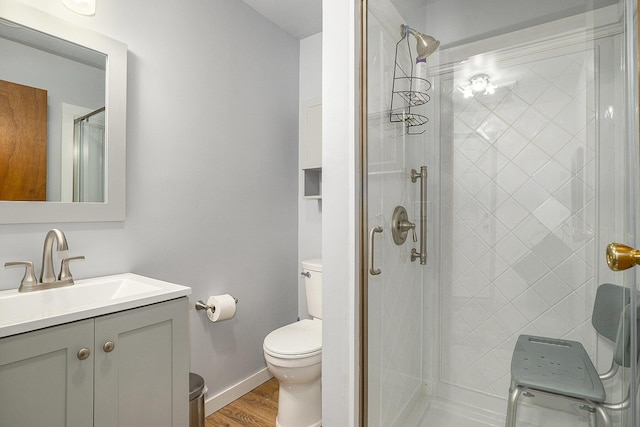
479	83
425	44
82	7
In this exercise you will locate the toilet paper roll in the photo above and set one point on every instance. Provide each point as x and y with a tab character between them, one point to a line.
224	307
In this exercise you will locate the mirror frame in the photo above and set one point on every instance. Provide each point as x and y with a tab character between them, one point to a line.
114	206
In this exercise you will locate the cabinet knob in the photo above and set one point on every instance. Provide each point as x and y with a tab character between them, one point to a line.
84	353
108	346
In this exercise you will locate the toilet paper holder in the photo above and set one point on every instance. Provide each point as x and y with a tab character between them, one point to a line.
201	305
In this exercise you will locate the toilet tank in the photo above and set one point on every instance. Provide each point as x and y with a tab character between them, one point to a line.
313	286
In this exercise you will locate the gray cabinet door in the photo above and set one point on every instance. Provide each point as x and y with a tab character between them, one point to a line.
42	380
143	380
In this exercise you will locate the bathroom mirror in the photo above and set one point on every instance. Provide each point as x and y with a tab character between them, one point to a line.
66	88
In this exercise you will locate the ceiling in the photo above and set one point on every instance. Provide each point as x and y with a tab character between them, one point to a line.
303	18
300	18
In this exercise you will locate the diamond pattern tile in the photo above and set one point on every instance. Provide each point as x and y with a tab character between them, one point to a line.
531	122
511	213
531	158
511	107
552	139
492	161
552	175
530	195
474	146
531	231
511	177
519	210
491	265
552	251
552	289
511	248
552	101
511	143
492	128
552	214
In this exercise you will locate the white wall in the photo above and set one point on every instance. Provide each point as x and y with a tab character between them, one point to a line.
339	211
212	149
309	210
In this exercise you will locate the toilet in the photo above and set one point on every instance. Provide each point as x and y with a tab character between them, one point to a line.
294	357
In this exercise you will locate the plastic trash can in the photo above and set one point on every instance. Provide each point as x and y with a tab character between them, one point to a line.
196	400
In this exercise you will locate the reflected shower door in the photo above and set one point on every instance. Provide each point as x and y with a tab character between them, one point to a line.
529	134
89	158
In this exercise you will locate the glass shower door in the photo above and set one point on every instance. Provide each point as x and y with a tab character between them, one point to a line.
395	295
89	158
528	131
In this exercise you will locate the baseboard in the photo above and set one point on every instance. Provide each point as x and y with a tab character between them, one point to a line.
222	399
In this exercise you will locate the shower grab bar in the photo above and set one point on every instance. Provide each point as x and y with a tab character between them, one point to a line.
422	175
372	270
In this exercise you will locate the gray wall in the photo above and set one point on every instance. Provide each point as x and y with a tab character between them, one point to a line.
309	210
212	155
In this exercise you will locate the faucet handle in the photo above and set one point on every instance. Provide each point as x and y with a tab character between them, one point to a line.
65	273
29	279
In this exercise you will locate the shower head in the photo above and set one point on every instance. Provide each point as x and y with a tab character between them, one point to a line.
425	44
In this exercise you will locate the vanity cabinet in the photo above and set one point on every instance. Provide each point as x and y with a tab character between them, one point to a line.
135	372
42	381
144	380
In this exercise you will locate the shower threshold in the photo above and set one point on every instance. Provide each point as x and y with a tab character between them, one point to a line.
436	412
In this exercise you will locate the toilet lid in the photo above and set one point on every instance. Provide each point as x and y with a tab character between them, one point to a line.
299	339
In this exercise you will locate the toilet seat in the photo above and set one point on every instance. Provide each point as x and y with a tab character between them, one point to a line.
295	341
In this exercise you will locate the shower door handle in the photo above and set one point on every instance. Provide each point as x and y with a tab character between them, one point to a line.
372	270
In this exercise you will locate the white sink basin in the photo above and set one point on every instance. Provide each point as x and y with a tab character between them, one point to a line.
27	311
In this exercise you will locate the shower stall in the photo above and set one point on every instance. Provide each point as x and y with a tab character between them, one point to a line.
500	158
89	157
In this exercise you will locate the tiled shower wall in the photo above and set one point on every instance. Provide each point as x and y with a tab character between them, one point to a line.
518	214
396	326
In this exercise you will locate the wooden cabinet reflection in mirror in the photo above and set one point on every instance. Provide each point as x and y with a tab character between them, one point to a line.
23	142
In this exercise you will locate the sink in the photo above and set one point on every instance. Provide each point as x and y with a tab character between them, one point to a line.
26	311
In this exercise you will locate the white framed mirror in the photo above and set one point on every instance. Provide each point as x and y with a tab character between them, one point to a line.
76	142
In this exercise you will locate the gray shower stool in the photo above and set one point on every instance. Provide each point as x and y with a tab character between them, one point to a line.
562	368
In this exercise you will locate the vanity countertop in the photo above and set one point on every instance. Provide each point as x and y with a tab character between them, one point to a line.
27	311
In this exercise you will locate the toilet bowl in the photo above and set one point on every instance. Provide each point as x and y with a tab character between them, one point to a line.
294	357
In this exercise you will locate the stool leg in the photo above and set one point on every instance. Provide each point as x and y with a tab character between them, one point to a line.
593	416
604	416
512	405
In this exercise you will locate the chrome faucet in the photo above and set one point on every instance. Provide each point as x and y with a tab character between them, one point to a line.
48	277
48	274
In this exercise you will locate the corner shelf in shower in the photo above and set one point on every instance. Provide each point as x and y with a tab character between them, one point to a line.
407	93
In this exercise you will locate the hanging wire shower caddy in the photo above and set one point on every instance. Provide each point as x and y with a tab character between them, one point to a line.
408	91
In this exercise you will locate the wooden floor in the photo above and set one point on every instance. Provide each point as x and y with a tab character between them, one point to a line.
257	408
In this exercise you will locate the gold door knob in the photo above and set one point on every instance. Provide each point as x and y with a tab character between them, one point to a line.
620	257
